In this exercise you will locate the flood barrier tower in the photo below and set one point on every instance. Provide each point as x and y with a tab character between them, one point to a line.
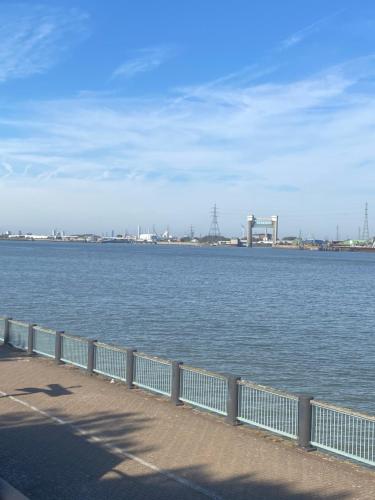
264	222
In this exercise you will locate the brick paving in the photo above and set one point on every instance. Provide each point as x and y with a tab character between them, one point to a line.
67	435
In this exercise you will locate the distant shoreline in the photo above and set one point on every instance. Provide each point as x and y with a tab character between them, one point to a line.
192	244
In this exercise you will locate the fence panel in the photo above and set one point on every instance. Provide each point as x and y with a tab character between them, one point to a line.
344	432
153	373
268	408
74	350
2	328
18	334
44	341
110	361
204	389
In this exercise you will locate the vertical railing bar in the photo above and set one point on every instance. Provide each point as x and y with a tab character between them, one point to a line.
30	339
368	440
130	367
305	421
232	399
342	430
58	346
358	437
6	329
90	355
353	434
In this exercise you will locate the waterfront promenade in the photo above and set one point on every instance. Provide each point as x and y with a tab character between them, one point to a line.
68	435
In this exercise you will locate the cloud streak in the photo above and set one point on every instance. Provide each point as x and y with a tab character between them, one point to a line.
34	38
300	35
142	61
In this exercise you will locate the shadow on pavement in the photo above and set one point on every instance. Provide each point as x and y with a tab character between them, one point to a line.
52	461
8	353
53	390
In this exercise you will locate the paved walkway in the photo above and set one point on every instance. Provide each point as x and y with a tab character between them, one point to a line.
67	435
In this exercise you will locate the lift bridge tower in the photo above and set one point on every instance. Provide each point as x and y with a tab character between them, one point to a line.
264	222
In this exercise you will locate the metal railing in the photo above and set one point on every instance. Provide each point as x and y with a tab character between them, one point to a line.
312	423
18	334
343	431
110	361
2	328
74	350
268	408
44	341
204	389
151	372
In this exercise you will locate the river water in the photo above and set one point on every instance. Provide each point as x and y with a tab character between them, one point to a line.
297	320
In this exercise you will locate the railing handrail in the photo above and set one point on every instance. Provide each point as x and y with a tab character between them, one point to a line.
44	329
343	410
269	390
111	347
140	354
18	322
204	372
79	338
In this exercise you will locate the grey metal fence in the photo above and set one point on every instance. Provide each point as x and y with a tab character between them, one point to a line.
18	334
313	423
343	431
110	361
151	372
2	328
204	389
74	350
268	408
44	341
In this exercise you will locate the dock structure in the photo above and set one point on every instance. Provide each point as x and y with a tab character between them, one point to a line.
66	434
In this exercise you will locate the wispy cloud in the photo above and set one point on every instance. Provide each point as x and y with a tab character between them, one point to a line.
33	38
6	169
143	60
300	35
286	140
244	127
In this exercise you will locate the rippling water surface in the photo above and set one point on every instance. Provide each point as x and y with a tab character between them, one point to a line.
302	321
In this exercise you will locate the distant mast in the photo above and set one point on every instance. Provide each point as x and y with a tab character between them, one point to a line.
214	231
365	232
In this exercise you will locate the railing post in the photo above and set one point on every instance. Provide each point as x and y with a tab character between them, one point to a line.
130	367
58	341
232	399
305	421
30	340
91	355
6	330
175	389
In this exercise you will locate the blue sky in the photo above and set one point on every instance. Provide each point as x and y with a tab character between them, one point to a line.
119	112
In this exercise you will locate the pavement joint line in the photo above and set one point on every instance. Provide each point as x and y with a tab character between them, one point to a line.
118	451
